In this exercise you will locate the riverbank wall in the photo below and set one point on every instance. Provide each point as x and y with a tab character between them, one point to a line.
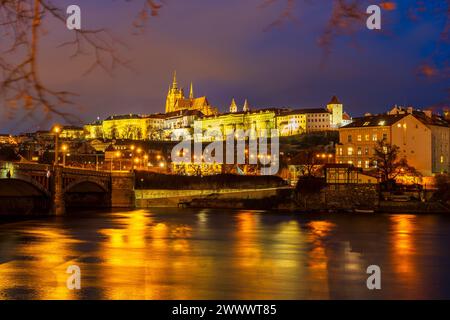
228	198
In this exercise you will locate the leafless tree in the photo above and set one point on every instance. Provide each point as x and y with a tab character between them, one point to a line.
21	29
21	84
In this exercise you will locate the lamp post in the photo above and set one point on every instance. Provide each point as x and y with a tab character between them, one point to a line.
64	149
56	131
146	161
118	155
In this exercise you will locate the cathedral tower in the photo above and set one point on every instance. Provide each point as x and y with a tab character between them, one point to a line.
191	92
173	95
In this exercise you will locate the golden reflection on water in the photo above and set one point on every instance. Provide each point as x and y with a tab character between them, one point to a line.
207	255
404	250
318	259
42	262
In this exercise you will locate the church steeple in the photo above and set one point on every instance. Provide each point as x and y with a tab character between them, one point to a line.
174	83
174	94
233	106
246	106
191	92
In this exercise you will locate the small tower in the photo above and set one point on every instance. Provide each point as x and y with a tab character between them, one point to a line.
233	106
336	109
191	92
246	107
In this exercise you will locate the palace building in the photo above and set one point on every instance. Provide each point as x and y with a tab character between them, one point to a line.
423	139
183	115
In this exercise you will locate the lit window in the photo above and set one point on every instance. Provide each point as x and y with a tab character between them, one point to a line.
359	151
442	159
359	163
374	137
382	123
350	151
367	137
359	137
366	123
367	164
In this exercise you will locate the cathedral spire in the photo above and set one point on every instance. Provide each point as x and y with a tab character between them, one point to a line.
233	106
175	84
191	92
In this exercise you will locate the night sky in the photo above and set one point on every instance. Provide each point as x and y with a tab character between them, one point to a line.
224	47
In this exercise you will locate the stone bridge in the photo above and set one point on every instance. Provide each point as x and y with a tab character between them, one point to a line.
48	188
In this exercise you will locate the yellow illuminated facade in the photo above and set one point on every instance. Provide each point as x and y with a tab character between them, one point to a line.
176	100
184	116
423	139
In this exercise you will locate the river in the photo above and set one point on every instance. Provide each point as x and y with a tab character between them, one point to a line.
214	254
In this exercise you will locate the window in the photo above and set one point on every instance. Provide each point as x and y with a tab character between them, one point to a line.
442	159
374	137
349	138
366	151
340	151
366	123
367	137
359	137
367	164
359	164
359	151
350	151
384	136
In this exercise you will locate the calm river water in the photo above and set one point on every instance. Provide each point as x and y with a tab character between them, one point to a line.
213	254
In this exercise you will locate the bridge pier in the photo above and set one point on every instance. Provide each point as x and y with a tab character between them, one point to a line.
122	190
58	205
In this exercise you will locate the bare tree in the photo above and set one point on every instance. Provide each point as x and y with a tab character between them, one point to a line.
388	165
21	85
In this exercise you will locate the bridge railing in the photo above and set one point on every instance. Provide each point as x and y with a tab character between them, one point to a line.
5	165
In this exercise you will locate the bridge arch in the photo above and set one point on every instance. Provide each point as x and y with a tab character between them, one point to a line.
23	196
86	192
29	181
85	184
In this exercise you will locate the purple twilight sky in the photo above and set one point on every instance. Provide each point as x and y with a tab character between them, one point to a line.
226	50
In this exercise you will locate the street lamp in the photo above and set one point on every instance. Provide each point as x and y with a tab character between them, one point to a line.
119	155
146	161
64	149
56	131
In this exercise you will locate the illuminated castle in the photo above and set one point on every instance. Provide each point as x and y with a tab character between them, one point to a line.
176	100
